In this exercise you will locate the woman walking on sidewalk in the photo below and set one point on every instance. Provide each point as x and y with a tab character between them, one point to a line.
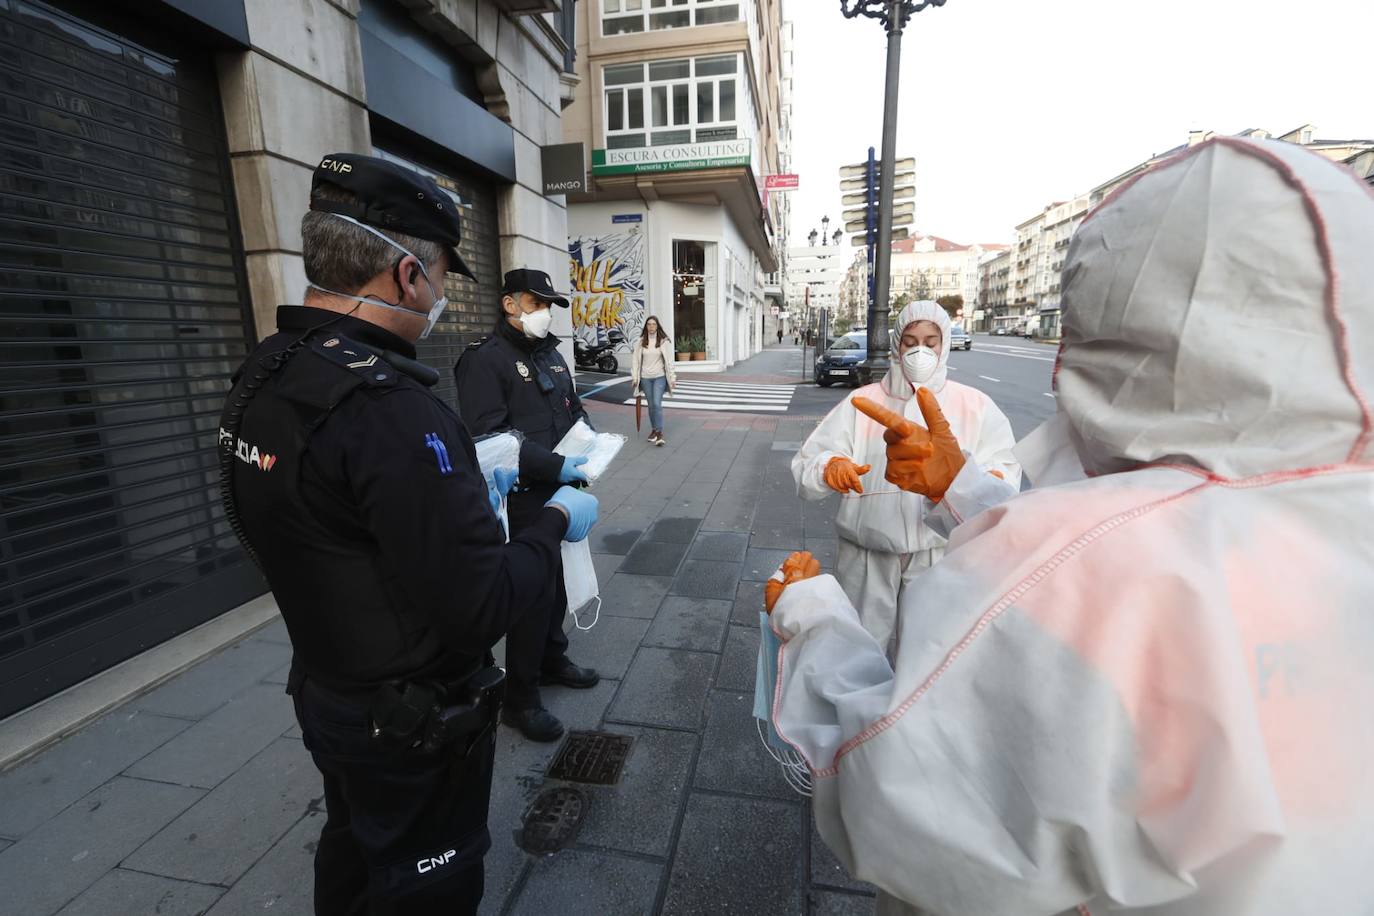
651	371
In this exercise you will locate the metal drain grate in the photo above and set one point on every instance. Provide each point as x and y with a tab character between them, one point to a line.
591	757
552	821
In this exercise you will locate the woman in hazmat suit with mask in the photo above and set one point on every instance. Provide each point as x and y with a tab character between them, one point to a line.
886	534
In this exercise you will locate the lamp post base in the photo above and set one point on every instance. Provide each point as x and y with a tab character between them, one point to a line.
874	369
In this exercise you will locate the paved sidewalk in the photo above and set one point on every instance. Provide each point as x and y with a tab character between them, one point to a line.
199	797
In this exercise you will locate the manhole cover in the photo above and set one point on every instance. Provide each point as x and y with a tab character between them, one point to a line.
552	821
591	757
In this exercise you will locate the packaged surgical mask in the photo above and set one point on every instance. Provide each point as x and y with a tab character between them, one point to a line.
794	768
599	449
499	450
579	579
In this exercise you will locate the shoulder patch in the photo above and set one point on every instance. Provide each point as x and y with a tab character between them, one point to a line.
348	354
479	341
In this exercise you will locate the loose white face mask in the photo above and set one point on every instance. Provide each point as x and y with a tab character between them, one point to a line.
435	310
919	364
536	324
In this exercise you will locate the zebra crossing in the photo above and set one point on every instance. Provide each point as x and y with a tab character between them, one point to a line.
690	394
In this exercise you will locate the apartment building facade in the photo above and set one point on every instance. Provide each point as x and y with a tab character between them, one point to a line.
679	109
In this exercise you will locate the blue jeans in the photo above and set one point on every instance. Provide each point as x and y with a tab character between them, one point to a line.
654	389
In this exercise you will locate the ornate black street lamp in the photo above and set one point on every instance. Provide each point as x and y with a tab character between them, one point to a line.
825	231
893	14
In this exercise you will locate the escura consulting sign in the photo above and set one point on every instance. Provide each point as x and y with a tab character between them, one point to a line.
674	158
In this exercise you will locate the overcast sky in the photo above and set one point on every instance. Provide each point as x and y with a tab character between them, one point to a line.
1008	105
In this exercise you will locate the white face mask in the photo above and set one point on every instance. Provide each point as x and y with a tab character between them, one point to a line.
435	310
919	364
536	324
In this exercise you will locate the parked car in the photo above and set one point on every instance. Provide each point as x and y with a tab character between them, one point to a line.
1000	330
959	339
840	363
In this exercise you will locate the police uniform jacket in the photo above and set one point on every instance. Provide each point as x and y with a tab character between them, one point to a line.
508	381
360	493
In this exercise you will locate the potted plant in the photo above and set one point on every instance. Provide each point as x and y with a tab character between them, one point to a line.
697	344
683	347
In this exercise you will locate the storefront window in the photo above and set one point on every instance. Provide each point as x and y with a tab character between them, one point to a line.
690	261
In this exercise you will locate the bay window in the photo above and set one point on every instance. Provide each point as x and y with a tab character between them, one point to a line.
671	101
621	17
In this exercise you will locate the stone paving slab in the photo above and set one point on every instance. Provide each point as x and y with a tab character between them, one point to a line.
831	903
220	837
42	786
85	841
761	563
719	545
606	565
586	882
690	623
626	595
777	536
204	688
614	537
826	869
664	687
707	579
733	759
130	893
740	659
639	814
283	880
823	549
737	856
748	603
208	752
675	530
609	646
654	558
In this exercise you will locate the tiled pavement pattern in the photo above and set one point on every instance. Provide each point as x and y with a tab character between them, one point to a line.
198	796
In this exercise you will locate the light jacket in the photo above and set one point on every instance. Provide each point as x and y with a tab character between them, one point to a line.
1148	688
884	517
637	363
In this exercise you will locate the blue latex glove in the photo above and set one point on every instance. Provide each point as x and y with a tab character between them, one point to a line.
505	479
572	470
582	510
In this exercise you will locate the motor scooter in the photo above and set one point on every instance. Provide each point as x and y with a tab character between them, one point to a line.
598	356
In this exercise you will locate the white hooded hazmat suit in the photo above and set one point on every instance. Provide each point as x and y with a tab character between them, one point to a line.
1148	688
884	535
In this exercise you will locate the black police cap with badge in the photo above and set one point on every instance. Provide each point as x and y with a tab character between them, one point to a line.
392	197
534	282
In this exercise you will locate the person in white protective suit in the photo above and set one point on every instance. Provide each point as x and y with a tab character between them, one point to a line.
884	538
1146	685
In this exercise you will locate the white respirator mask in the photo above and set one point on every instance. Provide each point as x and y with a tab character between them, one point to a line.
536	324
919	364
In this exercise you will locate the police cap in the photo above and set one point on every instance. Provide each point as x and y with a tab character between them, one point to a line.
392	197
533	281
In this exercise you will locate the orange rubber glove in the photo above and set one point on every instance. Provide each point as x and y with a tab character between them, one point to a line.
924	461
842	475
800	565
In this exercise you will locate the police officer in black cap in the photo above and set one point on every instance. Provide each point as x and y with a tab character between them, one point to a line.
516	379
359	494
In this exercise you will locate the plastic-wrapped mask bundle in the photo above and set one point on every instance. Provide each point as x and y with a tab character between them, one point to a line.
794	768
499	450
599	449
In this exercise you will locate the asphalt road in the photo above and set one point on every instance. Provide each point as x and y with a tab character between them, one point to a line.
1014	373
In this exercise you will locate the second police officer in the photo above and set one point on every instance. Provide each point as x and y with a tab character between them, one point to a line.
358	492
517	379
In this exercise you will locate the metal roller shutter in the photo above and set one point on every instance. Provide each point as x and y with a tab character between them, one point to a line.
123	311
473	305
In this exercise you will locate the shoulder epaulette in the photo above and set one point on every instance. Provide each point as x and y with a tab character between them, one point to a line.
351	355
479	341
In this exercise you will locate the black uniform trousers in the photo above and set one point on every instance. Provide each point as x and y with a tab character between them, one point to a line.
537	641
406	829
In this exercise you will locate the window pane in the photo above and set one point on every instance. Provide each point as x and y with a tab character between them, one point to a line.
622	25
670	20
708	15
624	73
625	141
715	66
664	137
727	100
670	70
659	96
634	5
682	114
615	109
636	120
611	6
706	103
